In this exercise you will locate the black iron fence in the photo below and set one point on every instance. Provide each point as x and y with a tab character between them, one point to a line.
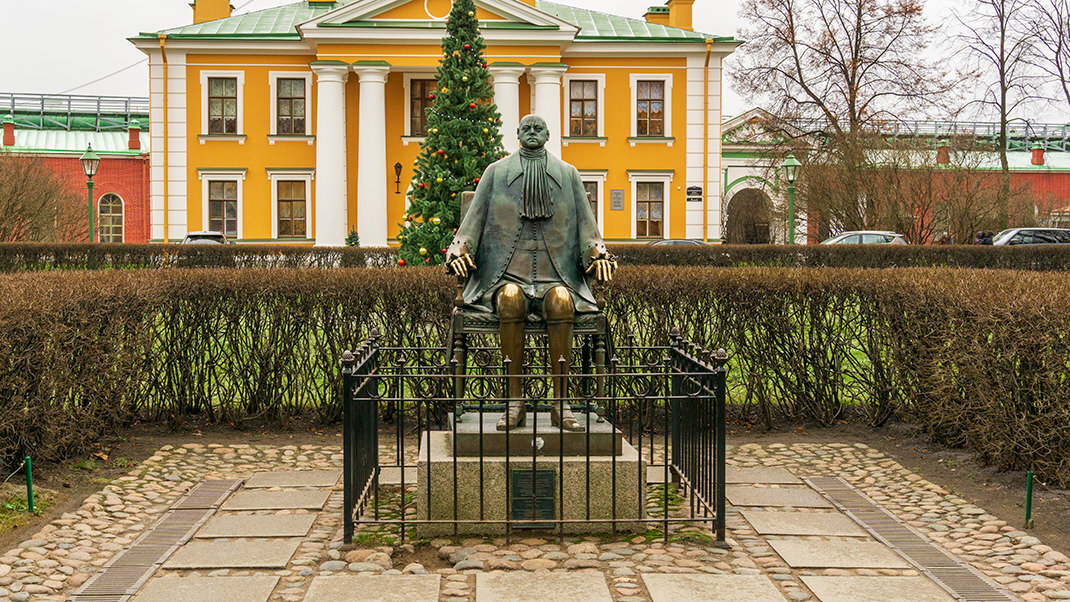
650	460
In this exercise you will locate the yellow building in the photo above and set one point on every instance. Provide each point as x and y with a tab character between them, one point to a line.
286	124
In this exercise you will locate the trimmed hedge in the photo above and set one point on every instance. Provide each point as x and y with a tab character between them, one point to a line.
16	257
975	358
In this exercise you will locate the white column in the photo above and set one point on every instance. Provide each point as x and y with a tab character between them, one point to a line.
371	155
507	97
548	101
330	155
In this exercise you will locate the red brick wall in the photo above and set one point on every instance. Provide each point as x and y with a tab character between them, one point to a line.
127	177
1050	190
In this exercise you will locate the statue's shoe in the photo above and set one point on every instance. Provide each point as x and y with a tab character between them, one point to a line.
513	418
566	420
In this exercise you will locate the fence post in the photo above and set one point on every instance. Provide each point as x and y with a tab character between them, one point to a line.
721	379
348	363
29	484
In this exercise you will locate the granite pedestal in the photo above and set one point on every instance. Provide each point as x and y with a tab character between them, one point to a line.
588	481
601	439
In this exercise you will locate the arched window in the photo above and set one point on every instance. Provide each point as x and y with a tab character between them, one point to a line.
110	208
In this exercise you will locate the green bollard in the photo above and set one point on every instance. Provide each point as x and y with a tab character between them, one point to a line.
29	484
1029	500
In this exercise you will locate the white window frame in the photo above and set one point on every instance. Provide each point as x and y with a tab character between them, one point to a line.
305	175
407	85
599	178
122	205
206	176
633	83
665	179
273	86
240	75
566	113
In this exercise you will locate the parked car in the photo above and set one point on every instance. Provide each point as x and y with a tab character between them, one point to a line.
1033	236
866	237
678	242
205	237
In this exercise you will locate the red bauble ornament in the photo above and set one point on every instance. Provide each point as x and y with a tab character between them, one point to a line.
471	105
467	46
431	96
421	184
443	251
476	180
401	262
441	152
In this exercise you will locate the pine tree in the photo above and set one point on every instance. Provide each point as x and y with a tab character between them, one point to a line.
462	140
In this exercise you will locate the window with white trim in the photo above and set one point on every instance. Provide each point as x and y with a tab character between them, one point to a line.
651	102
292	208
584	96
223	206
418	89
222	103
110	210
290	98
649	210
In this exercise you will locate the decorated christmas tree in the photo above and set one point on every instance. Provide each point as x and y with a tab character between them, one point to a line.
462	140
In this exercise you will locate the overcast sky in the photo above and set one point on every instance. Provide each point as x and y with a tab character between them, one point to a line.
62	46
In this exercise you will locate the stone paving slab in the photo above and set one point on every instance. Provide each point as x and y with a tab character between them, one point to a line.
875	589
711	588
257	525
208	589
837	554
770	476
796	497
802	523
391	475
233	554
374	588
294	478
539	587
292	499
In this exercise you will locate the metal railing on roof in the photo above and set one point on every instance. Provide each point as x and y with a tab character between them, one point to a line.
1021	134
74	112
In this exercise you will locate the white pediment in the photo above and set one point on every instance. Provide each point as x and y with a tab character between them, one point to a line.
370	14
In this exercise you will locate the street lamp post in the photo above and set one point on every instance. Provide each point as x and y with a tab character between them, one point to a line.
791	171
90	163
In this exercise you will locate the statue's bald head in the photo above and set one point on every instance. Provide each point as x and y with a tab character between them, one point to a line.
532	132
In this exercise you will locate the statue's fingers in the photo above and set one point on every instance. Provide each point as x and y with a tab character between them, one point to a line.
590	268
470	261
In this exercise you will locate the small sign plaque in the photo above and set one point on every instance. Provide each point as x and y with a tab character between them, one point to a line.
616	200
694	194
533	497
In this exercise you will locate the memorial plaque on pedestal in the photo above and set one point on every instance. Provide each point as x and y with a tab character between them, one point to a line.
533	497
536	436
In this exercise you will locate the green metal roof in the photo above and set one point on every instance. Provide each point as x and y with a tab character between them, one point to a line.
62	141
596	25
281	23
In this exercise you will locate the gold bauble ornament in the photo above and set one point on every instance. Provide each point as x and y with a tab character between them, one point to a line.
438	180
423	251
434	130
471	14
445	90
436	220
464	78
453	194
486	131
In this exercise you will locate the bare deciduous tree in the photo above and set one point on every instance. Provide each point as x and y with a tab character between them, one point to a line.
35	203
1051	21
852	66
997	36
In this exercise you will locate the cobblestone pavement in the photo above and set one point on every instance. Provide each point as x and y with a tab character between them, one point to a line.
65	553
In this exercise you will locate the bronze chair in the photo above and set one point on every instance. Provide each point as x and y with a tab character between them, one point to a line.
593	327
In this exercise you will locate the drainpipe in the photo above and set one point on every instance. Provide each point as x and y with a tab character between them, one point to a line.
166	185
706	141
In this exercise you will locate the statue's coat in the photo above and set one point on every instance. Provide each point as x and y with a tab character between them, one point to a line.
491	227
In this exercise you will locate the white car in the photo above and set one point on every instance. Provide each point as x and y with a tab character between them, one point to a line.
866	237
205	237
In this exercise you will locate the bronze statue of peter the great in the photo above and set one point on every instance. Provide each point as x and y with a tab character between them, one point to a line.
529	241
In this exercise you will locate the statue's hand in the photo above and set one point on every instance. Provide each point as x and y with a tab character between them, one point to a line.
602	268
460	264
